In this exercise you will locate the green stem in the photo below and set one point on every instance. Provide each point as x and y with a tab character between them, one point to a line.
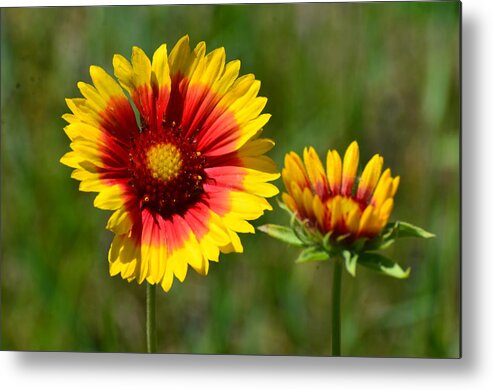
151	317
336	308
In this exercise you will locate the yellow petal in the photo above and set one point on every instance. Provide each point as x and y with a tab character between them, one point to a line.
382	192
334	171
119	222
94	99
83	131
260	163
247	206
386	209
257	146
349	168
395	185
124	72
182	61
353	220
111	198
227	79
84	111
180	265
105	84
234	245
289	201
297	195
209	68
160	67
294	171
308	203
71	159
369	177
256	187
251	128
195	257
123	257
141	67
369	221
167	281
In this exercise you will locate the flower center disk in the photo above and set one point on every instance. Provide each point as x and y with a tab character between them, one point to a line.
164	161
167	172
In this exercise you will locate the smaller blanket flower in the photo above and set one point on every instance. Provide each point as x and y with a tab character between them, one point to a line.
335	212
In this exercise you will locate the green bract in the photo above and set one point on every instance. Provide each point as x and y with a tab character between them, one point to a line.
363	250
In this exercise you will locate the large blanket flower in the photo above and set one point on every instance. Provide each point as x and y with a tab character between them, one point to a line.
186	173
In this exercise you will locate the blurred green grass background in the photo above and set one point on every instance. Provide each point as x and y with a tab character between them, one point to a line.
385	74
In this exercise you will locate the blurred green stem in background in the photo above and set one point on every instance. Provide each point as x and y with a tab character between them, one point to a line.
336	308
151	317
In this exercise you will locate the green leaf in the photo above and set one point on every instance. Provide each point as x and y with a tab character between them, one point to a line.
350	260
312	254
382	264
404	229
282	233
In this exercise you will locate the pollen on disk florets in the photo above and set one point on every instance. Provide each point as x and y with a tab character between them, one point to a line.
167	169
164	161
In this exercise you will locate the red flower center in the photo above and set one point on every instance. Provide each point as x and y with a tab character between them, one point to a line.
167	171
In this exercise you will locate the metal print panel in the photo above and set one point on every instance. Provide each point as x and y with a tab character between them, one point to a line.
267	179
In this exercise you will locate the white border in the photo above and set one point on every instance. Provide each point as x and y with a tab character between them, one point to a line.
474	370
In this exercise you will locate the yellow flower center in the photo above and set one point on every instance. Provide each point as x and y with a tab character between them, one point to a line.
164	161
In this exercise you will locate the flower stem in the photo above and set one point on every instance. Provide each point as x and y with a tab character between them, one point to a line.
336	308
151	317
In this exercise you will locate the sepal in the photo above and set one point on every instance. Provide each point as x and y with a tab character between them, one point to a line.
382	264
312	254
282	233
350	261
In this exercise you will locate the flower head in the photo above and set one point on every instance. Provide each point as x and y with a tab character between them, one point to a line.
336	200
336	213
183	176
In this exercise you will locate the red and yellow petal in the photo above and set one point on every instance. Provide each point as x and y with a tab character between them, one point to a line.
161	81
316	173
157	249
105	107
182	61
135	77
